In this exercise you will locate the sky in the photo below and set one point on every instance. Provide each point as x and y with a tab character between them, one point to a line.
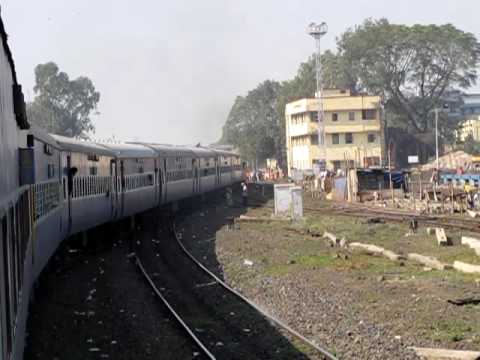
169	71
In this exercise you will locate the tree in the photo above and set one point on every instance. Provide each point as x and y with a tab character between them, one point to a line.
411	67
62	106
471	146
253	123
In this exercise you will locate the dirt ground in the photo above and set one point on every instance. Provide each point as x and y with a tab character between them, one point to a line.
93	304
356	305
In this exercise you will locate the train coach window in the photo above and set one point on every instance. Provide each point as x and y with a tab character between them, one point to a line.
93	157
48	149
50	171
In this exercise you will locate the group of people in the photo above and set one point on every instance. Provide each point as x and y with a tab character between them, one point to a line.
318	184
264	175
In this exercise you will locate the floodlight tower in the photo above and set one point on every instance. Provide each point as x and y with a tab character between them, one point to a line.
317	31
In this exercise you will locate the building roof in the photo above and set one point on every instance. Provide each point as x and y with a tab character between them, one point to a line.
336	103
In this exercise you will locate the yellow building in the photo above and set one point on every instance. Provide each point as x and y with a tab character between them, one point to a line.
353	131
471	126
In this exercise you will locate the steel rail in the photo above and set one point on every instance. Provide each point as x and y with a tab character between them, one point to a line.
389	215
173	312
324	352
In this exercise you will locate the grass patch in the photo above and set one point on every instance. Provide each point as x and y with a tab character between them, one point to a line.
299	263
453	330
314	260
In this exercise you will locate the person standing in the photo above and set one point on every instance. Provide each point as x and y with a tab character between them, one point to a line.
244	194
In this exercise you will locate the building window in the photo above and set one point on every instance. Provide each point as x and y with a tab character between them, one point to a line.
93	170
336	165
335	139
348	138
351	116
334	117
369	114
371	161
314	140
371	138
314	116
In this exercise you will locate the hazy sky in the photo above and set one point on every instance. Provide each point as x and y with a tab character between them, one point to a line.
169	71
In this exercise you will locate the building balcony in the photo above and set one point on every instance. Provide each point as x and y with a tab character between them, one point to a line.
363	126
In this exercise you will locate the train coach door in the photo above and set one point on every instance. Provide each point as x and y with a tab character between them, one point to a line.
196	183
158	182
217	172
160	178
113	188
122	188
164	191
69	191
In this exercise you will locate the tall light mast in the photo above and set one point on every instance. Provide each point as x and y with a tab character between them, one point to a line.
317	31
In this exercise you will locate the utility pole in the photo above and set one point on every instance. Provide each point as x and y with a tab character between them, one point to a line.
436	138
317	31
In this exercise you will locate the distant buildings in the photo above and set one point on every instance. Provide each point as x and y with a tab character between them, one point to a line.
470	114
353	131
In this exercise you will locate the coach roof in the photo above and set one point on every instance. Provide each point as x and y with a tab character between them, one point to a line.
202	152
81	146
40	134
171	150
124	151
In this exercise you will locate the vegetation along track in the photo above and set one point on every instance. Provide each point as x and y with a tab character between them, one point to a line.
222	322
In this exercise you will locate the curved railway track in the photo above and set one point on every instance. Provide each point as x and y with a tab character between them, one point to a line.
207	308
172	311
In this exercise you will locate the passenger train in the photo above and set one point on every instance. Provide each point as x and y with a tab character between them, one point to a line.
52	187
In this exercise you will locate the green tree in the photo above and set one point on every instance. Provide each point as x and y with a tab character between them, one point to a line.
253	123
411	67
62	106
471	146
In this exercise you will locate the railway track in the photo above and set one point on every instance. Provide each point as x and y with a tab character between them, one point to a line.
220	321
386	214
172	311
465	224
